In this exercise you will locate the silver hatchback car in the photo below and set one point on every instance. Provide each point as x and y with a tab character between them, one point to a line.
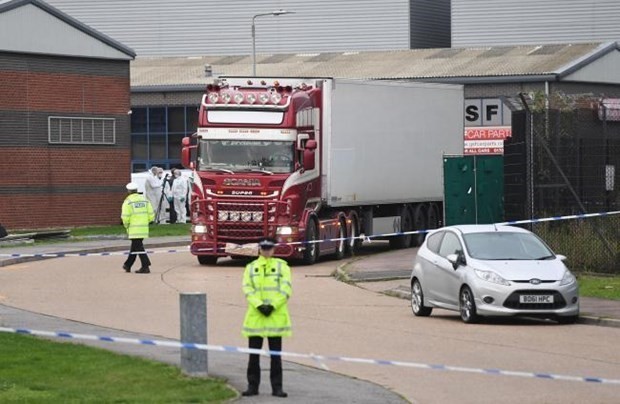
489	270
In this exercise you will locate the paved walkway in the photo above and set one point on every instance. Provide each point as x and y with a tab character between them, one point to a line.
371	273
307	384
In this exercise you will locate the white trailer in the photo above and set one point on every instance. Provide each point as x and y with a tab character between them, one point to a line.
384	142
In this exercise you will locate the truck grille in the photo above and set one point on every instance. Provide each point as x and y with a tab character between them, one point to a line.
513	301
243	221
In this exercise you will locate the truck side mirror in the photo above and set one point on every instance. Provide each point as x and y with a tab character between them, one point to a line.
309	149
186	153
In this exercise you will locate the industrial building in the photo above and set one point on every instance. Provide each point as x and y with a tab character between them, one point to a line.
64	123
198	27
510	22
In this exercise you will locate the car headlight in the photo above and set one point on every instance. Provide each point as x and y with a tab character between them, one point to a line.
568	279
199	229
491	276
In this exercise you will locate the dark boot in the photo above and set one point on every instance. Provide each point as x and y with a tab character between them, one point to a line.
251	391
143	270
279	393
127	268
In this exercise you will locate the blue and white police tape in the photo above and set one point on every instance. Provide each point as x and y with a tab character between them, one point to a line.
99	254
556	218
319	358
367	238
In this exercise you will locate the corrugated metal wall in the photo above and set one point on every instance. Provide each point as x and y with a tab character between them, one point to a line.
515	22
208	27
430	23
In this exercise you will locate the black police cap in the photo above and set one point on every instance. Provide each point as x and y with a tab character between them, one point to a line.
267	243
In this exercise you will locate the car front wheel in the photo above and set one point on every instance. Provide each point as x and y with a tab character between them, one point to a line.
467	306
417	301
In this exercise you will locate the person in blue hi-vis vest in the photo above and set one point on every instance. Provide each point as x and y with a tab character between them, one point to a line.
267	288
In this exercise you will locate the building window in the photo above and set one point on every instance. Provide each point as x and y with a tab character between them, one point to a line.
157	133
78	130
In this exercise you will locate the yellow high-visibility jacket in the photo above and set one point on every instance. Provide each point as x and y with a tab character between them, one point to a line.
267	281
136	215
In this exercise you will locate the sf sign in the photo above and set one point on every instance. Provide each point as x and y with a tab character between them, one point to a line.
487	123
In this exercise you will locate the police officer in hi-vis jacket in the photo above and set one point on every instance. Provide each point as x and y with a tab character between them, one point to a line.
267	288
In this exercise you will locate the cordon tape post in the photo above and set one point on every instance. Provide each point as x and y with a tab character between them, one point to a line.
321	359
367	238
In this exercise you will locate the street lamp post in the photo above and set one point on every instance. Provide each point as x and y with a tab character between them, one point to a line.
274	13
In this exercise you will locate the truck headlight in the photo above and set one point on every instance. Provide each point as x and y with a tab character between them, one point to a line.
246	216
568	279
491	276
235	216
258	216
199	229
222	215
285	230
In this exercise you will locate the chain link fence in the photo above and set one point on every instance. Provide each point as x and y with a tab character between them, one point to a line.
564	161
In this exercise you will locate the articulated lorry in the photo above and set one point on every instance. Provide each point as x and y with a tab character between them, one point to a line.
310	159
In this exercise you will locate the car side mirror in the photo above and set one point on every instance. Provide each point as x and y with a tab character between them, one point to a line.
561	257
456	260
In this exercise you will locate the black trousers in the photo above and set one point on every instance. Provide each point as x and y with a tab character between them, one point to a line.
136	245
275	374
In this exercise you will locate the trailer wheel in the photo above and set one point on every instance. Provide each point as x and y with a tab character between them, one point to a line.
342	244
207	259
432	217
311	251
406	221
419	223
353	244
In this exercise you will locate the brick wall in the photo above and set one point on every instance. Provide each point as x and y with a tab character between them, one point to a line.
44	185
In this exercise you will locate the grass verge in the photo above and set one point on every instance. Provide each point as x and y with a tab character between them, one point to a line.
37	370
155	230
604	287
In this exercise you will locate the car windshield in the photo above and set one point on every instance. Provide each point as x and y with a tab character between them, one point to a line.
500	245
246	155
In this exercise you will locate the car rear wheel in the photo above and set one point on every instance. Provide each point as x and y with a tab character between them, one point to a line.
467	306
417	301
567	319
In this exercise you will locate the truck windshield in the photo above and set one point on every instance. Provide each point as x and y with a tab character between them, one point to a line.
246	155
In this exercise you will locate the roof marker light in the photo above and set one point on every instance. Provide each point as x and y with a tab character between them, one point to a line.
214	98
264	98
251	98
276	98
239	98
226	98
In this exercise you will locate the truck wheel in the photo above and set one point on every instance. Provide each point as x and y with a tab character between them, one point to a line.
311	251
432	218
207	259
342	244
353	244
419	223
399	242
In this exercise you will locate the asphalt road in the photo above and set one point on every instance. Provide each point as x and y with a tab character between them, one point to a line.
332	318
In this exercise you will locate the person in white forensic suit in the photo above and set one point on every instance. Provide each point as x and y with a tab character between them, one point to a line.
152	187
180	188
